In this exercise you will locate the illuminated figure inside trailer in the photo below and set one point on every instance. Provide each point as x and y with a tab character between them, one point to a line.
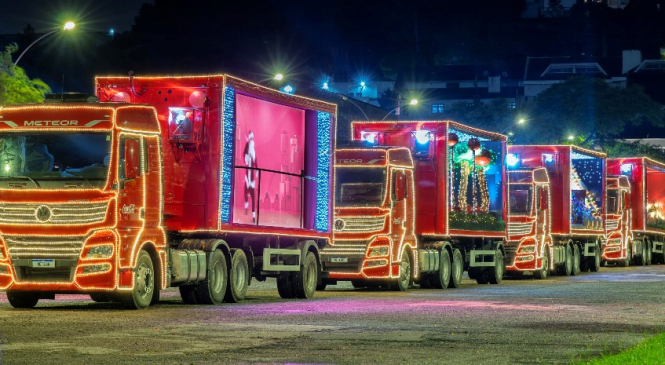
251	175
586	191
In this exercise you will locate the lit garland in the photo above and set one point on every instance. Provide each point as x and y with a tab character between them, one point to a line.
322	219
484	193
465	170
227	152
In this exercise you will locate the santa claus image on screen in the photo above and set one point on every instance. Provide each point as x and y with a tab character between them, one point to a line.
251	175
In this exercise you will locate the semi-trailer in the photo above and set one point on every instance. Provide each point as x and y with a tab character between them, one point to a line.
418	201
211	182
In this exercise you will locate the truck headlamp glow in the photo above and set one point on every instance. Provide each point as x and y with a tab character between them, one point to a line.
526	258
378	251
527	249
99	252
95	269
375	263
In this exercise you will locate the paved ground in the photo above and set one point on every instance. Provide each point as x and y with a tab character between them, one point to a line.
519	322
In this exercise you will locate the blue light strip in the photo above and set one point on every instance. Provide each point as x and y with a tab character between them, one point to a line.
322	218
465	137
227	152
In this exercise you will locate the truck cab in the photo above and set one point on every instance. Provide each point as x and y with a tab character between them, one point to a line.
529	222
373	215
618	221
80	202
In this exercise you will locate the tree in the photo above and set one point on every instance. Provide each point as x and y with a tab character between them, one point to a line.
590	110
15	86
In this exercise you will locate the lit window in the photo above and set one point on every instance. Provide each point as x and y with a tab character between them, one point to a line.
438	108
512	105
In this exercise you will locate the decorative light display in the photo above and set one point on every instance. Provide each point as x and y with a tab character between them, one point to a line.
322	219
512	160
228	131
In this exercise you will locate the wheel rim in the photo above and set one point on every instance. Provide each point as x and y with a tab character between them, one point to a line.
499	266
546	263
576	260
569	260
458	269
144	280
240	275
310	276
405	269
445	271
217	277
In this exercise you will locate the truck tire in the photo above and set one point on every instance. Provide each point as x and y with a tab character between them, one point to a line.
626	262
304	281
577	261
641	260
213	288
284	287
19	299
480	274
457	269
567	268
144	284
403	282
495	273
649	252
426	281
441	279
236	288
99	297
545	270
596	261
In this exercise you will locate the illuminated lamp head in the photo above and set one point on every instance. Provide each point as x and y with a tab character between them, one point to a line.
121	97
422	136
370	137
325	86
198	99
288	89
484	158
474	144
512	160
452	139
626	169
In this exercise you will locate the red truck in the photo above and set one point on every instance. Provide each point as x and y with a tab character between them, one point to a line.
575	208
418	201
216	181
642	200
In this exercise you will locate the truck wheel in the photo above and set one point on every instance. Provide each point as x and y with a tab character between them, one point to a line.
495	274
188	294
648	253
284	287
641	260
626	262
304	281
442	278
576	260
403	282
19	299
236	288
99	297
544	271
144	283
480	273
567	268
212	289
457	270
594	264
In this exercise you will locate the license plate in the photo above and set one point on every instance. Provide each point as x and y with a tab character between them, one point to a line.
43	263
339	259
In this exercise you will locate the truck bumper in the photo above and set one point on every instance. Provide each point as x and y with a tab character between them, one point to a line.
519	262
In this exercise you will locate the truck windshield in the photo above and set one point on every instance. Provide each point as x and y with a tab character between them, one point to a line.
356	187
521	199
54	160
613	201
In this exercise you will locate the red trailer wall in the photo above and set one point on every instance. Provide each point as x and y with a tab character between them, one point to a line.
637	187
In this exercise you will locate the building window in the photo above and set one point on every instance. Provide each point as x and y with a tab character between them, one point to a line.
512	105
437	109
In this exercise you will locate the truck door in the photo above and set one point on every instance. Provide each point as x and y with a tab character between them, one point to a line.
131	189
398	216
542	200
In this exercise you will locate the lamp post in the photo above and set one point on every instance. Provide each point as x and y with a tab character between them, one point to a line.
67	26
345	98
412	102
519	121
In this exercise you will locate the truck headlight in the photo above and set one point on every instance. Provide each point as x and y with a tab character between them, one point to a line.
94	269
99	252
527	249
378	251
375	263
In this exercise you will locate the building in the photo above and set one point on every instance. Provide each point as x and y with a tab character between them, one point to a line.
544	8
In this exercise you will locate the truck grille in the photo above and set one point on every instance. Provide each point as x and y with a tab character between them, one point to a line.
346	248
55	214
612	224
362	224
519	229
43	247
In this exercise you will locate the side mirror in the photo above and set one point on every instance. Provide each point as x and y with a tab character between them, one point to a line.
132	163
400	186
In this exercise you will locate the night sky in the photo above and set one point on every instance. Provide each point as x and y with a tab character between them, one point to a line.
44	15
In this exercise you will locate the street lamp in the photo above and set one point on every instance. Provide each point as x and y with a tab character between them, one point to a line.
67	26
345	98
412	102
519	121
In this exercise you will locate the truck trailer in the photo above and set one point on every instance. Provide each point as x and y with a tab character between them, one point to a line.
418	201
576	207
644	200
211	182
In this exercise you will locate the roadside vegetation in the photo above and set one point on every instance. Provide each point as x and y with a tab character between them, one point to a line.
651	351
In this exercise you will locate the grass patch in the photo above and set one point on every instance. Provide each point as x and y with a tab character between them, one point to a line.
651	351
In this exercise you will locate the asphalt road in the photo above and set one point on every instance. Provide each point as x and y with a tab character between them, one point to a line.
518	322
